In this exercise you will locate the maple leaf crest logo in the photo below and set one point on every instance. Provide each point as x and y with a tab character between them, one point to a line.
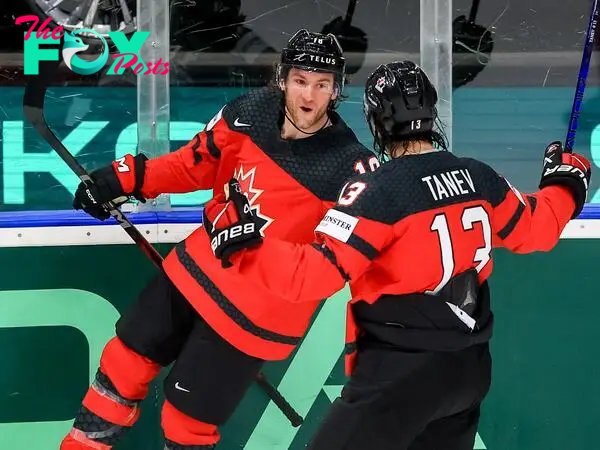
246	180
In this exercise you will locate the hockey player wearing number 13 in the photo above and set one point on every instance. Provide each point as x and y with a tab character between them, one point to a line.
414	239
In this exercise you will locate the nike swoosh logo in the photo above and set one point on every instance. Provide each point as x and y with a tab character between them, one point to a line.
179	388
237	123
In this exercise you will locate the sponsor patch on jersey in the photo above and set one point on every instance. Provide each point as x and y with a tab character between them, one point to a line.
338	225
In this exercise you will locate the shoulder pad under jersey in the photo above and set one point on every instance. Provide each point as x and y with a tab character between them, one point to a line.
323	162
366	196
255	113
416	183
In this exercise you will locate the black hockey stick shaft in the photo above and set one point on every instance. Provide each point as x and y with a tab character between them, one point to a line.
584	69
350	12
474	10
295	419
33	108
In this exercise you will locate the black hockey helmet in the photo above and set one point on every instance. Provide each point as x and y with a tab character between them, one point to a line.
399	103
315	52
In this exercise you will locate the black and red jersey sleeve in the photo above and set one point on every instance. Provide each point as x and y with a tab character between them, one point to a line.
359	161
193	166
345	247
525	223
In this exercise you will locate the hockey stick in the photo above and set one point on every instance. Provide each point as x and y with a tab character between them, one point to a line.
33	108
33	104
473	12
295	419
350	12
584	69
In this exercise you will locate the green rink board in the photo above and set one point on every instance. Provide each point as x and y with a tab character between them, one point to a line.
58	306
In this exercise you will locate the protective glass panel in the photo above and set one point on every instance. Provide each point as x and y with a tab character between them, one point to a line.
522	99
514	71
221	49
91	110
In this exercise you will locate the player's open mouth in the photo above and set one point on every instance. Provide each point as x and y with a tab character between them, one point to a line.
305	109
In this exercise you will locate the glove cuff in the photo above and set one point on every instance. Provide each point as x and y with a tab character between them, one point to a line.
236	247
576	187
130	171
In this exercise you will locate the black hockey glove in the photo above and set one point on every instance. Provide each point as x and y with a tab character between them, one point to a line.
116	183
472	47
567	169
230	223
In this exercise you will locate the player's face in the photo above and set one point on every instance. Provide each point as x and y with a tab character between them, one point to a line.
307	95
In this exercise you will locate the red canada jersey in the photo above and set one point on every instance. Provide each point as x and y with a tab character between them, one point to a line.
410	227
289	183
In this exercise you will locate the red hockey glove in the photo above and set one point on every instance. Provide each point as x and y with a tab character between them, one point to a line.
567	169
123	178
230	223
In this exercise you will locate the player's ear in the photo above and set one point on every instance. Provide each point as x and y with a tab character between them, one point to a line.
280	78
334	95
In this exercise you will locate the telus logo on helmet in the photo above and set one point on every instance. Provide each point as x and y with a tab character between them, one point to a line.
321	59
314	51
128	56
315	58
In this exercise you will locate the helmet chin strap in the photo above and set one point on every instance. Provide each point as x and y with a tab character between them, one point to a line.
302	131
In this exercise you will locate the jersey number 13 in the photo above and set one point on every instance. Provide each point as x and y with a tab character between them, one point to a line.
470	216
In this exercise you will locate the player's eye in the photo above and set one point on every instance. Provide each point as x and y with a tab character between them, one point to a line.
300	82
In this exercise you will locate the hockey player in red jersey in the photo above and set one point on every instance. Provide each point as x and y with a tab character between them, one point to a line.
292	153
414	239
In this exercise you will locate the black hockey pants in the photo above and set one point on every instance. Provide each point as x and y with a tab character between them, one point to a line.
402	400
